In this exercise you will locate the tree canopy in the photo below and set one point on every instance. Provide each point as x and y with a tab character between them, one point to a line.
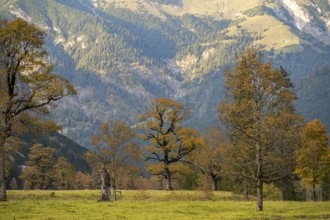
115	151
313	156
261	118
208	157
27	84
171	143
39	172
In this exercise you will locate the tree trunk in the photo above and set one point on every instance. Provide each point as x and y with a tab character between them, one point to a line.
113	186
215	180
168	180
314	190
105	177
63	183
281	187
114	194
214	185
246	191
5	134
3	193
260	196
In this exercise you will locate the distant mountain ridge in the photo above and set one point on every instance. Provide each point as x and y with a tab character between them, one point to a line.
121	54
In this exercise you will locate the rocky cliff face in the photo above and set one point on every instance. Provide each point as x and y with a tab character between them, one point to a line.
310	17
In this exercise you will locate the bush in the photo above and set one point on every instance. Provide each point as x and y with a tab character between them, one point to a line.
271	192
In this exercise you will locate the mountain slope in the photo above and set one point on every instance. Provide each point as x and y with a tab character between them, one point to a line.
313	94
121	54
65	147
73	152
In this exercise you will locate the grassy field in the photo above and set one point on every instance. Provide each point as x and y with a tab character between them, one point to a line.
151	205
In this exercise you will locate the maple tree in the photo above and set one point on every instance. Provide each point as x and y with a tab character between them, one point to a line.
115	150
27	85
39	171
83	181
313	157
171	143
64	174
209	156
261	119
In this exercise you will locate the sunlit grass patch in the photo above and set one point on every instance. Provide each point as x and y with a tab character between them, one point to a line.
151	205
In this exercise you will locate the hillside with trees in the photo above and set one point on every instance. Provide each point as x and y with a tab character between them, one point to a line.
120	55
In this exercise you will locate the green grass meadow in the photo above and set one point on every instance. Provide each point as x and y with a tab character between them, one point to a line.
151	205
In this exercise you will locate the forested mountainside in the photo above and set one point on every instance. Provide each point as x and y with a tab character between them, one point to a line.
121	54
314	95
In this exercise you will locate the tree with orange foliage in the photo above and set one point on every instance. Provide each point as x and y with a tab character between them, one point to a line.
313	157
27	85
209	156
261	118
115	149
171	143
40	169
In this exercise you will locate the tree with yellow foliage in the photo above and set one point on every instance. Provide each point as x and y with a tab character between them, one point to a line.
115	150
64	174
313	157
171	143
27	85
261	118
209	156
40	170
